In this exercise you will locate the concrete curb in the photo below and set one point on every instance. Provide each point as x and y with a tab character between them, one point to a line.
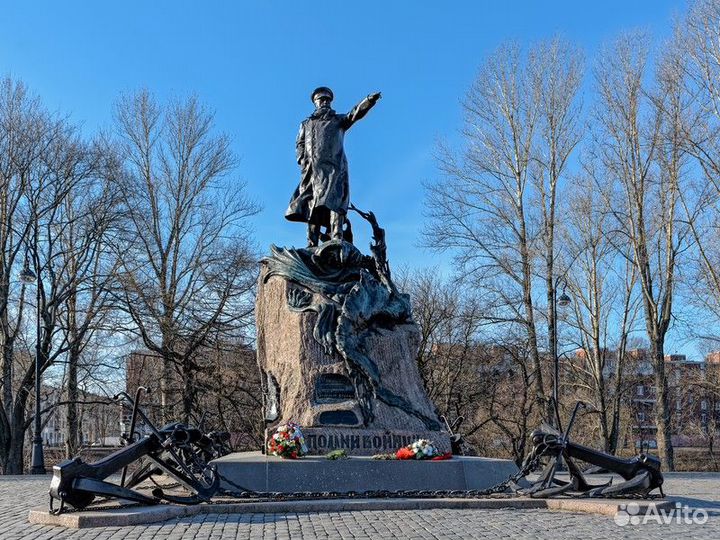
111	518
606	507
140	515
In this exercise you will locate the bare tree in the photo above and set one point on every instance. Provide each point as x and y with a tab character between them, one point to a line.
45	159
606	304
448	354
490	386
229	394
639	134
697	36
84	229
557	72
185	266
495	207
65	246
23	139
507	409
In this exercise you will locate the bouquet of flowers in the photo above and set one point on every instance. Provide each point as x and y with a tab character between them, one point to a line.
287	442
422	449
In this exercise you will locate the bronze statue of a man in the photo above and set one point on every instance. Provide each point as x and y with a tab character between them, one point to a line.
323	196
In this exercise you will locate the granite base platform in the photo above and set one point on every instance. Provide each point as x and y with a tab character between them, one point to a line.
257	472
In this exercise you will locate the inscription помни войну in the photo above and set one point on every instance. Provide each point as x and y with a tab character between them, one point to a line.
376	443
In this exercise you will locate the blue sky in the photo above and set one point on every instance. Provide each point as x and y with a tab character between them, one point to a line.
256	62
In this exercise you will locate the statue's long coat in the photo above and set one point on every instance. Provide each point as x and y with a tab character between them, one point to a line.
324	185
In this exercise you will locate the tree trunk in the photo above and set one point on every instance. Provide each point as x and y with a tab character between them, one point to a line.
662	406
8	357
188	395
615	426
16	451
540	396
72	441
604	431
165	391
617	397
6	435
551	286
7	373
15	461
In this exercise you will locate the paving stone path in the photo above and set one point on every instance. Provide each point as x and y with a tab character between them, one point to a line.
699	490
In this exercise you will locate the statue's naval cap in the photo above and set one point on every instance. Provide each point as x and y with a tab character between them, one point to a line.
322	90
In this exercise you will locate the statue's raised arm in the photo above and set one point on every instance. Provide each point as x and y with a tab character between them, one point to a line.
361	109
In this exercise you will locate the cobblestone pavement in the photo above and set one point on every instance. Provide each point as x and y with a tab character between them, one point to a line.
700	490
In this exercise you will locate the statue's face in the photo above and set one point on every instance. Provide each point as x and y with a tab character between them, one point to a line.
321	101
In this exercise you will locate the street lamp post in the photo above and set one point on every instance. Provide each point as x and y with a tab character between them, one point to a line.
562	301
28	277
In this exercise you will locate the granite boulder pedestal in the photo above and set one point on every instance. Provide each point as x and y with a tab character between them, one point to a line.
307	385
337	345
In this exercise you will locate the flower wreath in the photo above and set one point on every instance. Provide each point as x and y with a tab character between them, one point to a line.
287	442
422	449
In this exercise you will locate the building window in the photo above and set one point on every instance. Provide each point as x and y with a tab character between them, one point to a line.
640	390
641	417
703	405
678	405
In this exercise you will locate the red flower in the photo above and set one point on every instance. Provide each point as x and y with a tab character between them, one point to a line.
405	453
446	455
293	455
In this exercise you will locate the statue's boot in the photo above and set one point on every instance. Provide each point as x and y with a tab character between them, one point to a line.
337	221
313	234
